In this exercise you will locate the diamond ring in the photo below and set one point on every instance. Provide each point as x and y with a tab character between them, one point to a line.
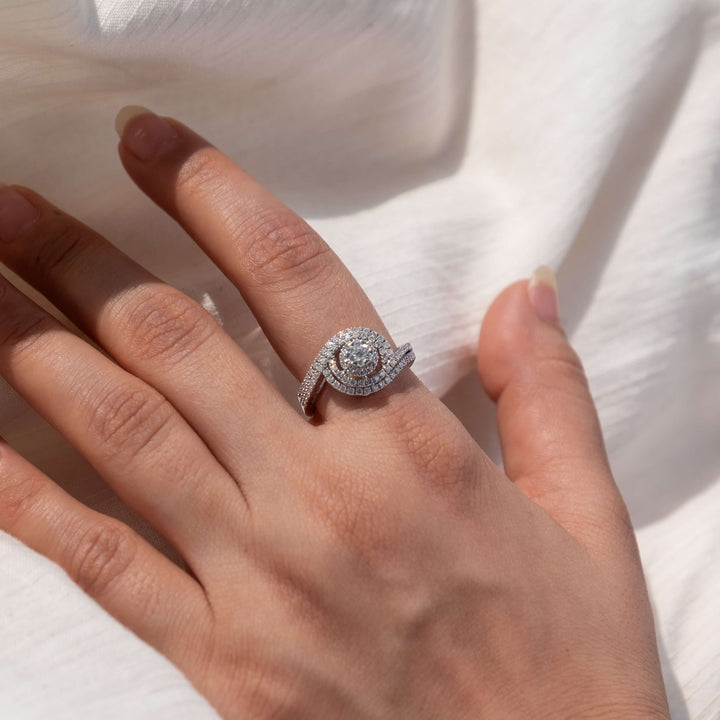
356	361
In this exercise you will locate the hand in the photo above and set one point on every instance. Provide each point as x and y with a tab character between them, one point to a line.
371	564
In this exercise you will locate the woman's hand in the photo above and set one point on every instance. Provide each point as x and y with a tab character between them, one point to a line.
371	564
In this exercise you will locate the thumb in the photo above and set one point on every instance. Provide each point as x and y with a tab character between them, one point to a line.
552	444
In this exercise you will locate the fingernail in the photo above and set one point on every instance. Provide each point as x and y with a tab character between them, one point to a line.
143	133
16	213
543	293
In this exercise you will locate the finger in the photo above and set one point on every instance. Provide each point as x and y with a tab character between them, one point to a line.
297	288
552	443
154	331
132	580
128	431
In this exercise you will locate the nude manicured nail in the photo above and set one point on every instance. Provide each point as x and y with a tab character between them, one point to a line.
143	133
16	213
543	293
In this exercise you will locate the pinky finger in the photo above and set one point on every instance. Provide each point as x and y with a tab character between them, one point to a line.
128	577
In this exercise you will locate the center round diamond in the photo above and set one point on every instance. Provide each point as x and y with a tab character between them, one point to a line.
358	357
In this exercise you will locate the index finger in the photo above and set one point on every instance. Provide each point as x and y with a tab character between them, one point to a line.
296	286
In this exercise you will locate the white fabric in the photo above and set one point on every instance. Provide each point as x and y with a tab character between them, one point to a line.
444	148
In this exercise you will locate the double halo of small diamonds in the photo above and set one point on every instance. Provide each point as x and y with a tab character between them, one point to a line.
355	361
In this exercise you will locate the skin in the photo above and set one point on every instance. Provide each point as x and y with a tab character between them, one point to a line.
373	563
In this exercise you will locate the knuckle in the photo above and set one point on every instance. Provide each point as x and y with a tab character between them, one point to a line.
362	518
365	512
442	454
126	420
564	365
166	326
354	508
102	554
20	492
282	251
620	523
23	328
60	248
200	173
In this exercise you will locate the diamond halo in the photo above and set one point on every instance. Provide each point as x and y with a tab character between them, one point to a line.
355	361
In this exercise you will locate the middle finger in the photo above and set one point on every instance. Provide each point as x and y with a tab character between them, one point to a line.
153	330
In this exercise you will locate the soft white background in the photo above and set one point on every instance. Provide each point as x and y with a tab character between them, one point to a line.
444	148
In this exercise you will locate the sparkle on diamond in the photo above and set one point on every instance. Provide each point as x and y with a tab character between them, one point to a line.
358	357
